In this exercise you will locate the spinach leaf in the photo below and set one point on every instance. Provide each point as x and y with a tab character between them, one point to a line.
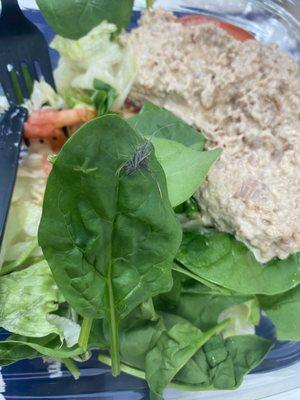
161	123
185	168
184	271
103	96
169	351
74	19
219	364
138	335
17	348
108	230
222	364
196	303
283	310
27	297
138	332
219	258
172	351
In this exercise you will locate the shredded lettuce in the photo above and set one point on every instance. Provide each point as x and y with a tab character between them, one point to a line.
26	207
95	56
43	95
67	328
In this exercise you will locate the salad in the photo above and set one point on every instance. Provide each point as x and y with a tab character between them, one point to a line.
106	249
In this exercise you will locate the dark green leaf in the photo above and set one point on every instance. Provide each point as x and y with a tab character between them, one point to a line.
103	97
284	311
219	258
184	271
172	351
158	122
197	303
185	168
117	231
74	19
138	334
222	364
137	337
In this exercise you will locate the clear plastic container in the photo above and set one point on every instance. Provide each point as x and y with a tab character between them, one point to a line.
272	22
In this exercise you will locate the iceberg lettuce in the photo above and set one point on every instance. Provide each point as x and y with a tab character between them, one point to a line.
26	207
97	55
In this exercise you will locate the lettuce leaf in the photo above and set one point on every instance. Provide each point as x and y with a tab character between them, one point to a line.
43	95
95	56
18	347
25	209
26	298
244	317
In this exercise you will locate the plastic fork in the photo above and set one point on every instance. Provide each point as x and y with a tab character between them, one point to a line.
21	46
11	128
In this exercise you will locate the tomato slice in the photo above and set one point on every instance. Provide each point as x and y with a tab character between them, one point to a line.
234	31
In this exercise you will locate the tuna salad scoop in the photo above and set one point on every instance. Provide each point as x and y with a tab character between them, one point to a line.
245	98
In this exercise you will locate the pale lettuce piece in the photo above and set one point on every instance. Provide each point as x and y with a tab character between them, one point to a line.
26	207
69	330
95	56
243	317
43	94
26	298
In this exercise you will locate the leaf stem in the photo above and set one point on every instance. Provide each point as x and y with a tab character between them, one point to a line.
177	266
85	333
74	371
114	333
124	368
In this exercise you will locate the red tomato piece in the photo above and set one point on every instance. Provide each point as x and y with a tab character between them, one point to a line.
234	31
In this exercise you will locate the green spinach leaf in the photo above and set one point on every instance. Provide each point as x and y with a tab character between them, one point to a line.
222	364
161	123
219	258
172	351
196	303
108	230
103	96
74	19
284	310
184	167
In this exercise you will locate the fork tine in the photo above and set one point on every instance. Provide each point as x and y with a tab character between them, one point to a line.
22	83
46	69
7	85
31	69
